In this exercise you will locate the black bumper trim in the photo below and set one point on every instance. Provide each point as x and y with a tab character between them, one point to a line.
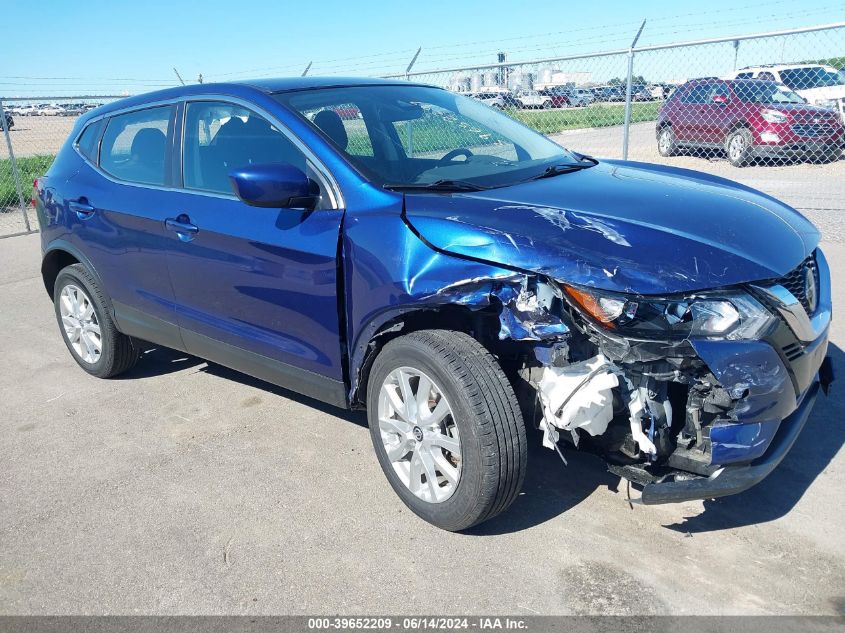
733	479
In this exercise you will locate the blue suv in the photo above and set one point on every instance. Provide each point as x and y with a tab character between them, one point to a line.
395	247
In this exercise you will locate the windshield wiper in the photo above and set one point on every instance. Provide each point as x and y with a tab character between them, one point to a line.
566	168
437	185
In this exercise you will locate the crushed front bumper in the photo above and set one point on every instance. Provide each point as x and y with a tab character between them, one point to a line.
735	478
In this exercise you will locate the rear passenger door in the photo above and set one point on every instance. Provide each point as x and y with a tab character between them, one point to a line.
116	211
256	288
689	121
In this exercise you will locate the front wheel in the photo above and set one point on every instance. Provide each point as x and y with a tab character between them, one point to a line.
446	427
739	147
667	145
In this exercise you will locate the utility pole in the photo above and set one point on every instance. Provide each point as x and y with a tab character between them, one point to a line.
178	76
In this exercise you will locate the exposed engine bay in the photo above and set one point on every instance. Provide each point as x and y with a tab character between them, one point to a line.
645	406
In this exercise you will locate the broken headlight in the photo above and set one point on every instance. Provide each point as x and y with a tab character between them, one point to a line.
733	315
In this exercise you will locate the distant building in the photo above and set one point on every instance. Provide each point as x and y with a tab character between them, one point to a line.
549	77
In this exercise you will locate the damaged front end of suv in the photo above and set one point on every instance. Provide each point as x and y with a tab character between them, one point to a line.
689	365
690	396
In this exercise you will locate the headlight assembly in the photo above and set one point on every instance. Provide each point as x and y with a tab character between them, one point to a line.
774	116
733	315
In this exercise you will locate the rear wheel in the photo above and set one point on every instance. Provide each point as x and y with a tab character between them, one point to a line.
667	145
739	147
446	427
87	327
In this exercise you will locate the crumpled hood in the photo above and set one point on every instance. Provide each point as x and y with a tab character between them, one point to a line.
628	227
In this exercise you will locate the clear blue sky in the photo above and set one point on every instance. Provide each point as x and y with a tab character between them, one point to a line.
114	47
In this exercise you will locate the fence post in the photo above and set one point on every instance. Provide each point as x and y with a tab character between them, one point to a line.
15	173
628	88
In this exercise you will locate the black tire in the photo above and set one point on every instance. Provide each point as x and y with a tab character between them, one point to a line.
493	444
118	351
739	147
667	144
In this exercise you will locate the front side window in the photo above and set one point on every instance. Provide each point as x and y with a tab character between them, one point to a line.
134	145
419	136
221	137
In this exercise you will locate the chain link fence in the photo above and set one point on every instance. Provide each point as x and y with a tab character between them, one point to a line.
765	109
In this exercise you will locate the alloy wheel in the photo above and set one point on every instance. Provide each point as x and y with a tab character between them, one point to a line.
736	146
419	434
79	321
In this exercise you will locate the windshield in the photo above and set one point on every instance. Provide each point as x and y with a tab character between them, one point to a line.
768	92
810	77
416	135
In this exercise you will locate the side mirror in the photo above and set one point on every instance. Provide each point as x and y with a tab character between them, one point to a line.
719	100
275	185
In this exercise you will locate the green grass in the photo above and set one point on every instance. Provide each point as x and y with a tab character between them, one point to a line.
29	168
597	115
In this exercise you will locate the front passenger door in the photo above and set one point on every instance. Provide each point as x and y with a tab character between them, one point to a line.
254	287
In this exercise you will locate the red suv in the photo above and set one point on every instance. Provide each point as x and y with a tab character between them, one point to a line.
748	119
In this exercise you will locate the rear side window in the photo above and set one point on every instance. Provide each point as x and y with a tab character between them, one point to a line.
134	146
89	141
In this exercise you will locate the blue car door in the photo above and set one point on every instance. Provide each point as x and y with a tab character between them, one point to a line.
117	203
255	288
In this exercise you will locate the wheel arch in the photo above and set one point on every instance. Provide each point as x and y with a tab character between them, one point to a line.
60	255
399	322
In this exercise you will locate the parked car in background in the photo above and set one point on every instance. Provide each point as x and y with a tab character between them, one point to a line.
27	110
640	92
559	97
672	322
72	109
580	97
533	99
50	110
491	99
748	119
819	84
609	93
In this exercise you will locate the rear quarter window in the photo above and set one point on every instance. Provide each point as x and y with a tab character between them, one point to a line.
88	142
135	145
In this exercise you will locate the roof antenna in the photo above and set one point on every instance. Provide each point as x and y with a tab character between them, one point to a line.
307	68
178	76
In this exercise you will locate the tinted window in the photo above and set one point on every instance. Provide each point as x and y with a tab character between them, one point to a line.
745	75
698	94
89	140
220	137
134	146
810	77
765	92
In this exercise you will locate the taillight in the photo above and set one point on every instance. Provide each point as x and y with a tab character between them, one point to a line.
34	192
